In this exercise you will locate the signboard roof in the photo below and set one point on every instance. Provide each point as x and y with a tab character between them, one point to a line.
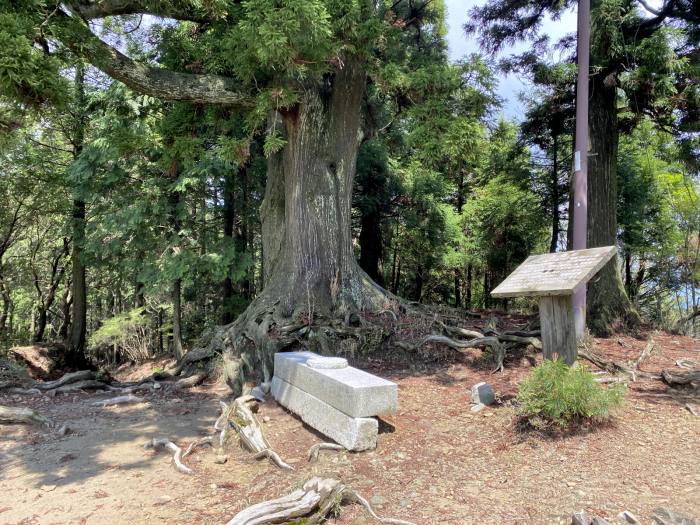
554	273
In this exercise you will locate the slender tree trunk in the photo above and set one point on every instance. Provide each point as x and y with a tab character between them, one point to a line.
608	305
76	350
469	286
418	284
176	287
458	286
229	216
371	246
555	194
487	291
6	302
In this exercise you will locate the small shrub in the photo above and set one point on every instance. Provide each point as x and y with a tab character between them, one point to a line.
557	393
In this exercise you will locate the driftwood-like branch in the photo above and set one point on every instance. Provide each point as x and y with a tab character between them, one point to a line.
312	503
646	353
158	443
250	431
208	440
603	364
87	384
316	449
9	415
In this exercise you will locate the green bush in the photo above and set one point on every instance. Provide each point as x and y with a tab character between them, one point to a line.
557	393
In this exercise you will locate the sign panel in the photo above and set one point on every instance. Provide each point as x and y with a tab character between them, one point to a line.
554	273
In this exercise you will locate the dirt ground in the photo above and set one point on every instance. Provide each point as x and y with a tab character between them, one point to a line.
436	462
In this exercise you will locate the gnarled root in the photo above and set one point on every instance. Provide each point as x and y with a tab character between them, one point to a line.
73	377
249	429
158	443
316	449
9	415
316	499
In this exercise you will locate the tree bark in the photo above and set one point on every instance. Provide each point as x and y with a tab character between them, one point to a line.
309	259
229	216
470	270
76	350
608	305
371	246
176	287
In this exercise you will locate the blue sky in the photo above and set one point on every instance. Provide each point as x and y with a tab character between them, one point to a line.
510	86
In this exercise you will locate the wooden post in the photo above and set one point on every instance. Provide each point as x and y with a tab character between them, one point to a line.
557	327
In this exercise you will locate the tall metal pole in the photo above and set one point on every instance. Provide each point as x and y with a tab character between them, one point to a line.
580	211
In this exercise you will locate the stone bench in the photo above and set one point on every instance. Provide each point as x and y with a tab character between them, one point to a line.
336	399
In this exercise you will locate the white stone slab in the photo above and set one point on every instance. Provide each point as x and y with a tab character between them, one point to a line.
554	273
352	433
350	390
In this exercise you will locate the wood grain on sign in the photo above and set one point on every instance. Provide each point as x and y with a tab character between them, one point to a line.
554	273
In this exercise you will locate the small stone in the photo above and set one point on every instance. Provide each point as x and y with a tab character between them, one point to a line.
162	500
483	393
156	385
627	517
258	393
265	387
597	520
690	408
478	408
665	516
213	486
221	459
63	430
377	500
266	419
580	518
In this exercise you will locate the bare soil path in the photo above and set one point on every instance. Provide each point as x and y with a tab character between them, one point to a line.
436	462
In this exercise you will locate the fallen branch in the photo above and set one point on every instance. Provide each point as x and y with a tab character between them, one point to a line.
646	353
66	379
188	382
9	415
312	503
221	424
24	391
208	440
673	378
158	443
250	431
609	366
119	400
316	449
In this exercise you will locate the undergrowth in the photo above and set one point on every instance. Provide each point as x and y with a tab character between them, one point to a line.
561	395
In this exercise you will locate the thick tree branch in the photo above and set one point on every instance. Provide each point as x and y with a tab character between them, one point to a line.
157	82
179	9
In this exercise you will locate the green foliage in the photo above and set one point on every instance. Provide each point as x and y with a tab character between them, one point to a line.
555	393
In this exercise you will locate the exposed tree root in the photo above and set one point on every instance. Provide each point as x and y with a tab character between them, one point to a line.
455	344
189	382
10	415
675	379
250	431
208	440
119	400
315	450
158	443
72	377
311	504
87	384
603	364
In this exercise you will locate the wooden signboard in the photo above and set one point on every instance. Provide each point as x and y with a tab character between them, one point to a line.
553	277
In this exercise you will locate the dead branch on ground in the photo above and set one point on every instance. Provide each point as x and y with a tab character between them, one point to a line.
250	431
313	502
158	443
673	378
208	440
316	449
66	379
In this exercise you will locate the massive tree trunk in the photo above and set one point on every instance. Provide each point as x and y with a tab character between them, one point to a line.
310	271
608	305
